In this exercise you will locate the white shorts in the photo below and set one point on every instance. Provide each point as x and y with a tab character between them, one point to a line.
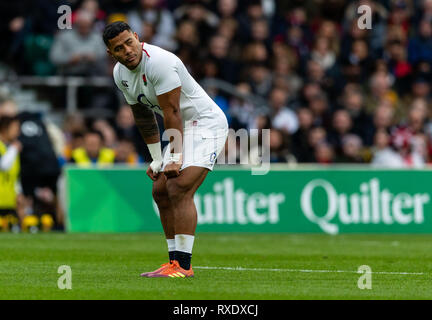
203	140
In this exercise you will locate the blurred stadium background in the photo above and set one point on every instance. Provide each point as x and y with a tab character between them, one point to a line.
330	92
349	111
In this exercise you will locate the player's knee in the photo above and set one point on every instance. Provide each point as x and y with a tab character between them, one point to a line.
160	195
177	190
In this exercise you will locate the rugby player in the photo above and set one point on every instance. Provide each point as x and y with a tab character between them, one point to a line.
155	80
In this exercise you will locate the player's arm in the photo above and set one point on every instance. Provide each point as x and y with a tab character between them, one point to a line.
146	123
170	105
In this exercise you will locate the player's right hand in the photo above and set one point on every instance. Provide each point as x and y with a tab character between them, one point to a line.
154	169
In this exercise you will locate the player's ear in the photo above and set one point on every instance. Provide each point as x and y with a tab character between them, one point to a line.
109	52
136	36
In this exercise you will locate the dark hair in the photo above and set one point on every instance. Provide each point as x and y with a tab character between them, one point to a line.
113	29
6	121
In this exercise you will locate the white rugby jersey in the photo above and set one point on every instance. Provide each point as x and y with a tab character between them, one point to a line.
161	71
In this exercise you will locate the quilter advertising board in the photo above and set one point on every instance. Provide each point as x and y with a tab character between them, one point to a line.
328	200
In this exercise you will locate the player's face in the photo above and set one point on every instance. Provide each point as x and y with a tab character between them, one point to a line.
126	49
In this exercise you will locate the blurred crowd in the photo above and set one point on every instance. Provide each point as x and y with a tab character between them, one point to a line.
333	92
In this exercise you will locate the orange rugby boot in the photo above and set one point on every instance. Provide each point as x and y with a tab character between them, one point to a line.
173	271
162	267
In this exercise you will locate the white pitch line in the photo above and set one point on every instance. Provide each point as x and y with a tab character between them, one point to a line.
301	270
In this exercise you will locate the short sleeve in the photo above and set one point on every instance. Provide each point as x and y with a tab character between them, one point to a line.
129	99
164	75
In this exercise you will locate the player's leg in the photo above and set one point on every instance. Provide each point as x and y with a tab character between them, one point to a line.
201	146
166	212
181	191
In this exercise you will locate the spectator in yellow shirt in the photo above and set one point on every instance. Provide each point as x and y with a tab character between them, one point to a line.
10	148
93	151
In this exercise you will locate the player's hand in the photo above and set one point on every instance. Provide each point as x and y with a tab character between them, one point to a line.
172	169
154	169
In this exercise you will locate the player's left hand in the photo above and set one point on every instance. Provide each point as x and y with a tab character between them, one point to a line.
172	170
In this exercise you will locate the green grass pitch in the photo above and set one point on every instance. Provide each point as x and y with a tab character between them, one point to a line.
275	266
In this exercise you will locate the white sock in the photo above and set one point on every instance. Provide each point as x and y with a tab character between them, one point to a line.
171	245
184	242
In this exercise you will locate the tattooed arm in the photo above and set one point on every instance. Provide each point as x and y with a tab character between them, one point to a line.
170	104
145	120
